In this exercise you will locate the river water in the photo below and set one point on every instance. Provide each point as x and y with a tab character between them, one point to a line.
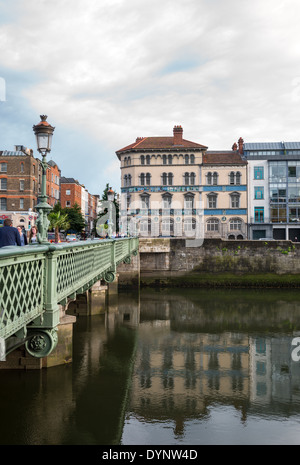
168	367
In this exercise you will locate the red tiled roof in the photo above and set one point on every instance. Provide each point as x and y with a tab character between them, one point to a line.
160	143
223	158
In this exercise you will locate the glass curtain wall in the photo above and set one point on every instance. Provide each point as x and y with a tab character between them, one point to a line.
284	184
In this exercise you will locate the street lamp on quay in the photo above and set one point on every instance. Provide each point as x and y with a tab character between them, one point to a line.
43	132
110	198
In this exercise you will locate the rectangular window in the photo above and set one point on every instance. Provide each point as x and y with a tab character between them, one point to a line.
145	202
3	184
22	182
3	167
68	192
235	201
259	214
292	171
3	204
212	201
22	167
167	201
21	204
258	172
258	193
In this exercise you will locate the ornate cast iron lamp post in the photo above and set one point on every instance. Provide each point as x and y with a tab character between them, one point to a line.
43	132
110	198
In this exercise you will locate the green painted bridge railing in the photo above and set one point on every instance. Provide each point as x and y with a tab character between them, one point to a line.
36	279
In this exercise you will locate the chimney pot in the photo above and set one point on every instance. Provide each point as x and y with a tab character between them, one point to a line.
241	145
177	135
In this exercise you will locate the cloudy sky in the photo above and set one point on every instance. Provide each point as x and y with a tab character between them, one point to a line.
108	71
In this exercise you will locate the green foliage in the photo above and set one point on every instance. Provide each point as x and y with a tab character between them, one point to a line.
74	217
58	221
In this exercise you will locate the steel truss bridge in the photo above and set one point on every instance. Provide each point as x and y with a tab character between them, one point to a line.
36	279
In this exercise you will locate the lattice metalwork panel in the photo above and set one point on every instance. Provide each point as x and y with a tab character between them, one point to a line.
76	268
122	248
21	294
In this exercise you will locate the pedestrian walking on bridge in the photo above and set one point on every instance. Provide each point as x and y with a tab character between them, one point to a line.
8	234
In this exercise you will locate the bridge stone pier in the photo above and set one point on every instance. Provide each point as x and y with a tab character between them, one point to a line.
43	289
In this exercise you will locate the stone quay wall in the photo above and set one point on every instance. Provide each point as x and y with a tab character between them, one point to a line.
177	262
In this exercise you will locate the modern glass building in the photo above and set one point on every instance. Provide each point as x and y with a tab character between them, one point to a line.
273	190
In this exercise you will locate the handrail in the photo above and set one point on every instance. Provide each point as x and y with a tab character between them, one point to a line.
35	279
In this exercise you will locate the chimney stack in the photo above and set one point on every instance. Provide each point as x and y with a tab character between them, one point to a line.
234	147
241	144
177	135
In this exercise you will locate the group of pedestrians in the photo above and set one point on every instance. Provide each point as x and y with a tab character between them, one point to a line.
9	235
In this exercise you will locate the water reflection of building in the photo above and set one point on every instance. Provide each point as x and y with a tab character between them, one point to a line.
274	375
178	375
183	367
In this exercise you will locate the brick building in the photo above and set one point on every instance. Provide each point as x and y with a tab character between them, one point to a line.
70	192
53	183
19	185
73	192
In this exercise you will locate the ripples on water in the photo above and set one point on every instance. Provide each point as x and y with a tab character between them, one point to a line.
168	368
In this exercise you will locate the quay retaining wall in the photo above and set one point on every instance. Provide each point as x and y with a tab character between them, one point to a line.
218	263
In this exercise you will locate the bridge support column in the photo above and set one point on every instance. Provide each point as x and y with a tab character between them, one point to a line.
97	298
20	359
129	273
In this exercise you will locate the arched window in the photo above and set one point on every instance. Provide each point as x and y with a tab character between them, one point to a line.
215	178
192	159
186	159
167	179
125	162
238	178
148	179
129	180
147	159
212	225
186	179
231	178
128	161
125	180
164	159
170	159
145	227
189	225
142	159
209	179
142	178
192	179
235	224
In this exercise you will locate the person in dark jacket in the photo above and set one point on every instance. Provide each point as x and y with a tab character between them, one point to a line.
23	236
8	234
